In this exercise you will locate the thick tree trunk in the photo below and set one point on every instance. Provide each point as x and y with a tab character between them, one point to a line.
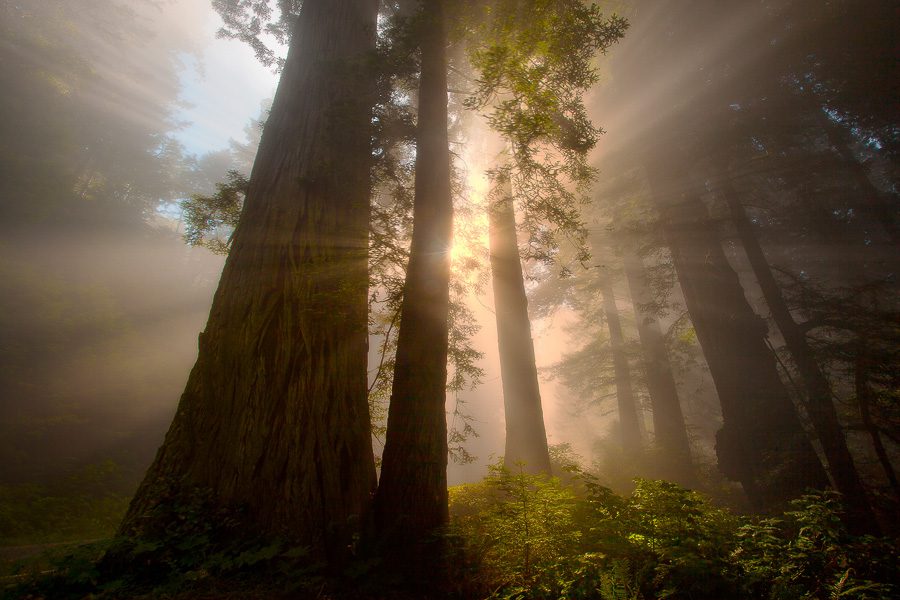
762	443
820	406
669	430
274	418
526	438
411	502
629	428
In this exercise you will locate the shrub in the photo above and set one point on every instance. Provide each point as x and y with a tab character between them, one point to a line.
809	554
518	526
528	536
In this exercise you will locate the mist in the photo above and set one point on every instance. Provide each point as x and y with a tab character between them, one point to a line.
102	300
732	130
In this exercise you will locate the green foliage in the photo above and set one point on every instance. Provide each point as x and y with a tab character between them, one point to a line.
515	535
194	546
534	63
89	504
270	569
528	536
661	542
210	220
809	554
519	525
252	21
58	571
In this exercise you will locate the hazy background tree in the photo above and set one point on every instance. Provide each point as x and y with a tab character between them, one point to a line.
816	172
526	437
534	71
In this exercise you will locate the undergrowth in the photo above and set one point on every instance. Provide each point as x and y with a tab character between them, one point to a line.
88	503
525	536
513	535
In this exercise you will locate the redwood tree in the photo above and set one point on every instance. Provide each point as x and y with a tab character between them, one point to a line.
762	443
274	419
670	434
411	501
628	416
535	62
819	395
526	438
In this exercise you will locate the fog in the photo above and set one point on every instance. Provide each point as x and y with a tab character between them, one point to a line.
101	299
114	112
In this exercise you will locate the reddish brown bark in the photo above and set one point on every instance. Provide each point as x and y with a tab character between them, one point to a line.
274	418
411	502
526	438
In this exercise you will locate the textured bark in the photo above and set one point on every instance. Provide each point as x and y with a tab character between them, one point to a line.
762	443
274	418
820	406
630	431
411	502
669	430
526	438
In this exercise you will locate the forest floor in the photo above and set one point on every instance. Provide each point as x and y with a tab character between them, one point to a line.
24	562
9	555
17	561
512	535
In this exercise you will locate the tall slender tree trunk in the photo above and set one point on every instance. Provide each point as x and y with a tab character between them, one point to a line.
819	405
668	420
411	502
864	399
629	428
274	418
762	443
526	438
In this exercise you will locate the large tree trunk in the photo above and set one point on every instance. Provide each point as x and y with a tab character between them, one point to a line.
411	502
669	430
820	406
526	438
762	443
274	418
629	429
